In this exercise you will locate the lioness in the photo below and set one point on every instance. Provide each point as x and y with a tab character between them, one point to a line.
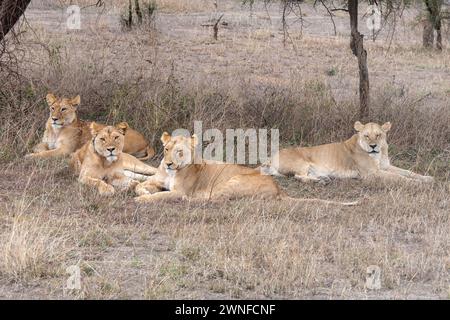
180	177
100	163
65	133
364	155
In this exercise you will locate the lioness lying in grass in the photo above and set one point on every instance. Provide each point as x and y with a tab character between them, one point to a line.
100	162
364	155
65	132
180	177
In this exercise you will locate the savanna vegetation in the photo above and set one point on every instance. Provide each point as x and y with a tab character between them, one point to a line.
171	63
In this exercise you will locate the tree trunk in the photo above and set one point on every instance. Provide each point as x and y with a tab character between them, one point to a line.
438	34
10	12
357	46
434	16
428	33
137	9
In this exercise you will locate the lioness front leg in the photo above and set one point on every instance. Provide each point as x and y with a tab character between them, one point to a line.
160	196
123	182
59	152
133	164
389	176
75	163
103	188
40	147
306	179
324	179
152	185
309	173
269	170
409	174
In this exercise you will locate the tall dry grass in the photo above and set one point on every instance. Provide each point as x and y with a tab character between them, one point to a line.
185	6
270	250
169	6
32	247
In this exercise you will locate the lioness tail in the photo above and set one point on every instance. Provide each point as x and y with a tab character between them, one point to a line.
351	203
150	153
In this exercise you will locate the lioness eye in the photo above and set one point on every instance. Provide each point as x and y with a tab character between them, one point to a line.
116	137
102	139
63	109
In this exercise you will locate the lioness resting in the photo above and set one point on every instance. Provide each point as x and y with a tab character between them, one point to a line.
65	133
364	155
100	162
179	177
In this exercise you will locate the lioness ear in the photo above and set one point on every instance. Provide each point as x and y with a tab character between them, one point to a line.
50	99
122	127
75	101
386	127
194	139
95	128
358	126
165	138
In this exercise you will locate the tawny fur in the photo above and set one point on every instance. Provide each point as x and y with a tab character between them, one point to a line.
362	156
179	177
65	132
100	162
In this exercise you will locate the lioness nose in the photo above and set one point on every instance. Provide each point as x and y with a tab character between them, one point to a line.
373	146
111	149
54	119
169	164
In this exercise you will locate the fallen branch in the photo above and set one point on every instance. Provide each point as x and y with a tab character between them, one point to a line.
216	27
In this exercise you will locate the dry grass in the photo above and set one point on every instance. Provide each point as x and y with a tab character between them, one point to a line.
30	251
32	245
167	6
165	79
241	249
185	6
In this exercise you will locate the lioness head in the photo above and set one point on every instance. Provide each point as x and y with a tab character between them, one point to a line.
108	141
372	136
62	110
178	151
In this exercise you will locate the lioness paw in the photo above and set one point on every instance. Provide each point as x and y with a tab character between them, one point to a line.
143	199
428	179
106	190
141	190
133	184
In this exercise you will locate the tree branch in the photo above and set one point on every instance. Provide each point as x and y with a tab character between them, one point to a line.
10	13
